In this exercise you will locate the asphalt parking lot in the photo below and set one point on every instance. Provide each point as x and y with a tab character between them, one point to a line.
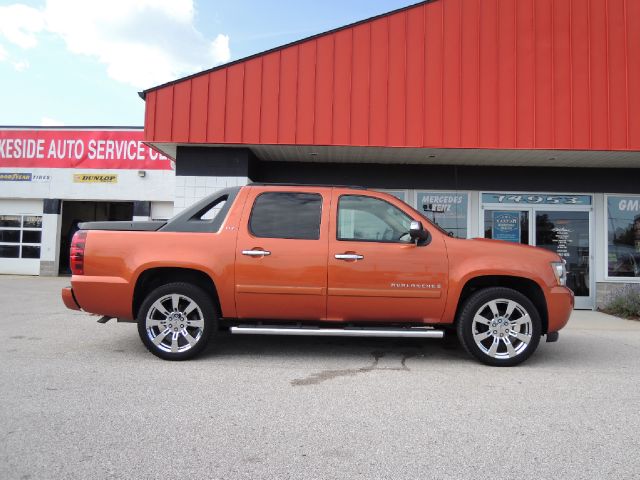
84	400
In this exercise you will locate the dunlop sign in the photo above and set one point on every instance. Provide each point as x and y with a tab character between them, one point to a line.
95	178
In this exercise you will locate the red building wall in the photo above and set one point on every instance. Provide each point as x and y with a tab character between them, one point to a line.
510	74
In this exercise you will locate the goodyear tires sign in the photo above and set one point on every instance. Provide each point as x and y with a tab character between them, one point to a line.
15	177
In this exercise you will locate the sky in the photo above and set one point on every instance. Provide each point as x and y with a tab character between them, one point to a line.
83	62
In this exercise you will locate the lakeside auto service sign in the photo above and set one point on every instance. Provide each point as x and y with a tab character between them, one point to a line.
86	149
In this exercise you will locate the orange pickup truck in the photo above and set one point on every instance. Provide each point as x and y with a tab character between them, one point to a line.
315	260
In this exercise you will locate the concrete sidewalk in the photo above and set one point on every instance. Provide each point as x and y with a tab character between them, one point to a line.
589	320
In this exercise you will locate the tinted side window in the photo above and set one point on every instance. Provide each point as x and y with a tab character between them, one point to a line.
286	215
370	219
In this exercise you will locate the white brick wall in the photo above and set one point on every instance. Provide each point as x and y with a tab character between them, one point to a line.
190	189
156	185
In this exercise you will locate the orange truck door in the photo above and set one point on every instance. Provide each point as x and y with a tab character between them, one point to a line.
281	254
375	271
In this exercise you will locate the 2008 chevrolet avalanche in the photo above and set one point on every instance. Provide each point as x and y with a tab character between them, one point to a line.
315	260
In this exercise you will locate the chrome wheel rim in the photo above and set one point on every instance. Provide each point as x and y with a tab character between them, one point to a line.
502	328
174	323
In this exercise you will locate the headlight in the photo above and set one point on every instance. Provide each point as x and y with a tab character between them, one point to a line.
560	271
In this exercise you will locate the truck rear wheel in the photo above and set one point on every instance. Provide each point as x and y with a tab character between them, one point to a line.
499	326
176	321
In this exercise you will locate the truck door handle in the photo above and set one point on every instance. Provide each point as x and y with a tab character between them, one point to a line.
256	253
348	256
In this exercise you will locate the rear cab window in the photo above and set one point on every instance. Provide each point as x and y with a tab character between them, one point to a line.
206	215
288	215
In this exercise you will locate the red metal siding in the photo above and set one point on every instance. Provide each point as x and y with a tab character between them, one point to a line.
617	74
489	60
252	95
378	88
632	49
150	115
397	83
305	109
164	115
181	107
414	128
451	81
598	73
324	92
561	73
579	60
234	102
200	95
287	112
217	107
269	103
434	54
548	74
360	77
506	74
342	87
470	72
525	73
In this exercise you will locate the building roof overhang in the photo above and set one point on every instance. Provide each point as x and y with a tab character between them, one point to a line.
428	156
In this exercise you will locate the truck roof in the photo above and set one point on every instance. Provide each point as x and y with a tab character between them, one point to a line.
266	184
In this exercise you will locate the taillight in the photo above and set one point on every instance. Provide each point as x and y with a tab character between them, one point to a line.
76	257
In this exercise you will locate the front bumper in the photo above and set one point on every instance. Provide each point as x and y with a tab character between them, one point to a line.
69	299
560	303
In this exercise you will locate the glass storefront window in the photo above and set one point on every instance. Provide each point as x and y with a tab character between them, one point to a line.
446	209
509	225
623	234
399	194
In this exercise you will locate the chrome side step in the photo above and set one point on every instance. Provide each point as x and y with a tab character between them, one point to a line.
417	332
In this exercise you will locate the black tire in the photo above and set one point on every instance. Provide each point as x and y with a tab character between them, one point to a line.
189	329
501	329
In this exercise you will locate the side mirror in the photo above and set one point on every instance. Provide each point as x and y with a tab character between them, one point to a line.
419	234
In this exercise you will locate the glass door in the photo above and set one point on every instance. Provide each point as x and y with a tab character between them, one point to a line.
568	233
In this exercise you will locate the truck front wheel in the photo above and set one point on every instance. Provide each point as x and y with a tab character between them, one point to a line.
499	326
176	321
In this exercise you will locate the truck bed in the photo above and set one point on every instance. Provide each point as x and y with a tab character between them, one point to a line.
126	226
